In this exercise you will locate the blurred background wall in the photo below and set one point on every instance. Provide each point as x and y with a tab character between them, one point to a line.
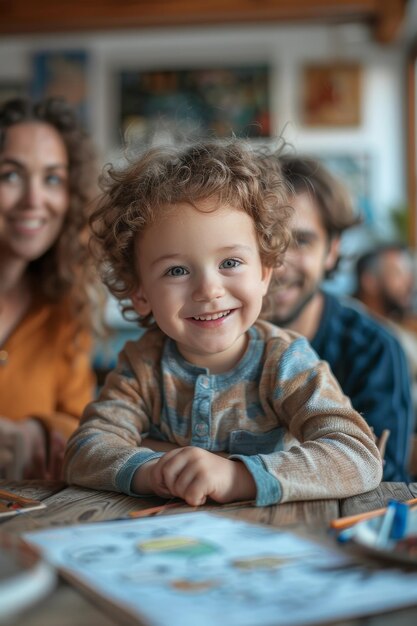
376	140
378	137
85	49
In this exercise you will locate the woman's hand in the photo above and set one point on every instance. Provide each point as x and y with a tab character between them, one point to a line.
13	453
47	460
24	451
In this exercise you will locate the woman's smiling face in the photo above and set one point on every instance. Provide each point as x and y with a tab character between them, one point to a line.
34	193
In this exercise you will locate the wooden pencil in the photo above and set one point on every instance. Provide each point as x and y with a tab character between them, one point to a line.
156	510
345	522
9	496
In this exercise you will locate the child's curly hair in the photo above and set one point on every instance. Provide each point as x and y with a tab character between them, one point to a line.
135	197
63	271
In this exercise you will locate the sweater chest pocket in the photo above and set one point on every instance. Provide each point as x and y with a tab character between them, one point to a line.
248	443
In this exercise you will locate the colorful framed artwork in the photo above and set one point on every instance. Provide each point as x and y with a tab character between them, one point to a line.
217	102
331	95
62	73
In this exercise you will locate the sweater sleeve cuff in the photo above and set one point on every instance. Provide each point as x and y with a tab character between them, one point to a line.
125	474
268	488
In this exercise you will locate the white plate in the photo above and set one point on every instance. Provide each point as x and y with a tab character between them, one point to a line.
24	577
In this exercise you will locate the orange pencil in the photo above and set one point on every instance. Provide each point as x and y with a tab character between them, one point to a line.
345	522
153	510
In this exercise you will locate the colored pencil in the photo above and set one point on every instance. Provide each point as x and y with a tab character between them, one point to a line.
345	522
156	510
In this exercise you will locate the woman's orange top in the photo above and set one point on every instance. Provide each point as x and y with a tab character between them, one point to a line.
45	369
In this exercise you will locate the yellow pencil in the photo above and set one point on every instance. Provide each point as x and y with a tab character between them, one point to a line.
345	522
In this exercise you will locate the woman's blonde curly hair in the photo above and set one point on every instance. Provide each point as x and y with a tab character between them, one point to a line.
135	197
65	270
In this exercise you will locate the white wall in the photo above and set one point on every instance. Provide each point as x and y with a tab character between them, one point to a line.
287	49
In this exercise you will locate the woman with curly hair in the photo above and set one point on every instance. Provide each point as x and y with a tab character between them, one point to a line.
47	181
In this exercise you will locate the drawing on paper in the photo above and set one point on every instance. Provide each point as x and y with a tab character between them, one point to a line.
178	546
158	567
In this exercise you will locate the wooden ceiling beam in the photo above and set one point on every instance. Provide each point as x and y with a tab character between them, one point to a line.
34	16
389	19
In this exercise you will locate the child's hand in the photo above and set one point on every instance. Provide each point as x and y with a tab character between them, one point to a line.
195	474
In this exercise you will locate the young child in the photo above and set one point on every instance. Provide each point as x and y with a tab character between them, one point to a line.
233	408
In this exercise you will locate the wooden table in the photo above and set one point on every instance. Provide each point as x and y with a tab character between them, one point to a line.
66	606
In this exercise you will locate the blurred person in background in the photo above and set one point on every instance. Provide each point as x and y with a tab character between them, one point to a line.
47	180
385	284
365	357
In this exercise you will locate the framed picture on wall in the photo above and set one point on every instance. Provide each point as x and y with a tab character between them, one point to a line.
62	73
331	95
215	102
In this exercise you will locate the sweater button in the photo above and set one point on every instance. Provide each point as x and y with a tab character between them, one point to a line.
3	357
201	429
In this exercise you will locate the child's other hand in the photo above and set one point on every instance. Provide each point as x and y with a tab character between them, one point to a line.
194	475
143	481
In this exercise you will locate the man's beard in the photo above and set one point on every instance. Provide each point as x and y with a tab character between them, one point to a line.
296	312
392	308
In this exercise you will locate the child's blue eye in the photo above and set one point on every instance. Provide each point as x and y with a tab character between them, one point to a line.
229	264
177	271
10	176
54	180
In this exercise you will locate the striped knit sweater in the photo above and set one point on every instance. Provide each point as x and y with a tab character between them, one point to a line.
280	411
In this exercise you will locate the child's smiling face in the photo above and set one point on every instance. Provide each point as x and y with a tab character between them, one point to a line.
203	280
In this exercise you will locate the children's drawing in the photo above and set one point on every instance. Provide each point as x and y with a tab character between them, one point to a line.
177	546
193	569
